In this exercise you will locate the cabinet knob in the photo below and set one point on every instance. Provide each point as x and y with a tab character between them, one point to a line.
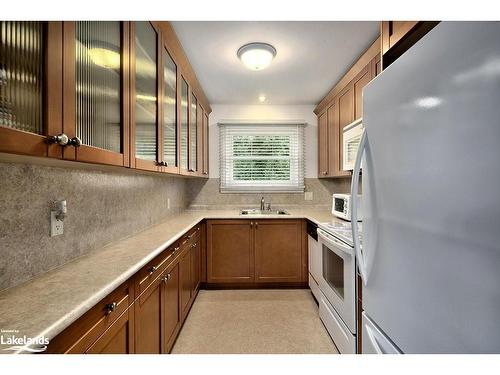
110	307
195	244
152	269
251	224
166	277
60	139
75	142
176	248
325	172
191	170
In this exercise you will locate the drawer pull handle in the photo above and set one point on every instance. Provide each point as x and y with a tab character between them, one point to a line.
176	248
110	307
152	270
195	244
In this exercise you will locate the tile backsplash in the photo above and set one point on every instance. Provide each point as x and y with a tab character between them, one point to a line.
205	194
103	206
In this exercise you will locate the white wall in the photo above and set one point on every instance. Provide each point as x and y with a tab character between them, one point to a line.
265	112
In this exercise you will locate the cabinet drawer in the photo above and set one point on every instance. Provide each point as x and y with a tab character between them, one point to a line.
79	336
154	268
191	236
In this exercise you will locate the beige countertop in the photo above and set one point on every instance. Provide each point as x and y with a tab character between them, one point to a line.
49	303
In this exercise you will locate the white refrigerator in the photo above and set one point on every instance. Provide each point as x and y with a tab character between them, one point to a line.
430	258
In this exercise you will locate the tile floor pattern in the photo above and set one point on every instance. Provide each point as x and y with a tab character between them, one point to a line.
254	322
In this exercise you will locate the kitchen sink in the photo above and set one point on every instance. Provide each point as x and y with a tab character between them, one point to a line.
256	211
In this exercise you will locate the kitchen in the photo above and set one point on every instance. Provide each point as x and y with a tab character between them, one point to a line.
168	188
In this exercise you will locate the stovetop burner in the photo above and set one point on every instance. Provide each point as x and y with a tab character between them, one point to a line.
341	230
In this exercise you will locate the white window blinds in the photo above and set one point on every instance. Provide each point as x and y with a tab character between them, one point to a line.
261	157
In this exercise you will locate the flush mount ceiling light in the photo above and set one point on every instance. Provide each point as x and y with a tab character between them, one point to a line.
256	56
262	98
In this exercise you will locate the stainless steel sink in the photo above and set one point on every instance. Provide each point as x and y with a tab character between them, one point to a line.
256	211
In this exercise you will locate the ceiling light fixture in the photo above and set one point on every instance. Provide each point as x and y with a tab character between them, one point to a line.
256	56
262	98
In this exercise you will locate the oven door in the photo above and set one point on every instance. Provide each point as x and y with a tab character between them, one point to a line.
338	277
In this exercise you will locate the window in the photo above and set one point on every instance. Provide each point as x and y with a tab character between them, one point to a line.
262	157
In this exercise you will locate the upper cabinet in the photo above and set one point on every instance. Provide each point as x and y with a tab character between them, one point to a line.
170	144
398	36
95	91
31	88
184	125
193	135
343	105
145	86
107	92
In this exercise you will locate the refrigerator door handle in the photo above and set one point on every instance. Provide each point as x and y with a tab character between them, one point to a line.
354	209
374	341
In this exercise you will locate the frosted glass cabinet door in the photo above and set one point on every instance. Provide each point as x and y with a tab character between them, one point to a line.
184	125
193	135
95	80
30	87
145	95
169	113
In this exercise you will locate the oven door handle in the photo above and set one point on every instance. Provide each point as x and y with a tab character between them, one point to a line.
330	240
354	209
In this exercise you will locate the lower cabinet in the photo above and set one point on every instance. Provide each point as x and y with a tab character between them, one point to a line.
170	307
148	313
260	251
230	255
185	282
118	338
278	251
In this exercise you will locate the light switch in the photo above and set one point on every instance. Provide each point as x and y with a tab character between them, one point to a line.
308	195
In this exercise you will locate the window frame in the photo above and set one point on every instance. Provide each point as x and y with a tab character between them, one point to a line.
229	129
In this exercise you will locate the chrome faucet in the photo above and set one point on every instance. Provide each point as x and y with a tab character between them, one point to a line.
262	204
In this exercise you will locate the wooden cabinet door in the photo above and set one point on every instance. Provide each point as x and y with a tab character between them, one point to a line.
31	109
333	139
205	145
170	307
230	254
346	116
361	80
322	145
118	338
394	31
148	319
185	281
196	266
278	251
377	66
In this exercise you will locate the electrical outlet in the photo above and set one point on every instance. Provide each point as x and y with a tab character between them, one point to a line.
308	195
56	225
168	203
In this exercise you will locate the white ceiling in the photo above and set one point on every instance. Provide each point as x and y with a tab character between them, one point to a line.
311	57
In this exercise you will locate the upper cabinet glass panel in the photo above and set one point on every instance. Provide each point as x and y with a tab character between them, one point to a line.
169	110
21	75
184	125
98	84
145	91
193	136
